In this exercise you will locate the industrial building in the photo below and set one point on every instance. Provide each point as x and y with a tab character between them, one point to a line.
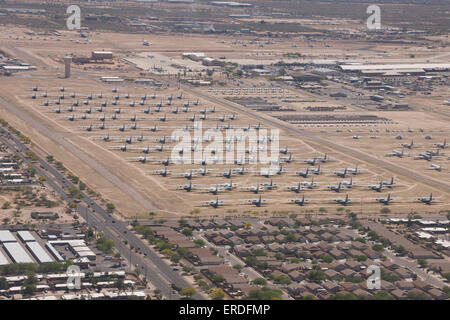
6	236
231	4
77	247
400	68
101	55
17	253
25	236
335	119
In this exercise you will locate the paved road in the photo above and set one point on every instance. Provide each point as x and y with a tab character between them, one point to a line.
412	265
158	272
356	154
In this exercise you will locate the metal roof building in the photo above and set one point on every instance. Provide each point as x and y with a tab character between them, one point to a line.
425	66
25	236
38	252
54	252
17	253
7	236
3	260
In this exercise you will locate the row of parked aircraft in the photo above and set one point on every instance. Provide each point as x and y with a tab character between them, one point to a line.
215	203
427	155
100	95
297	187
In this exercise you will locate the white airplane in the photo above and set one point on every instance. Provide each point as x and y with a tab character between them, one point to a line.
385	200
165	162
435	167
396	153
315	171
309	185
267	172
228	185
257	201
313	160
346	171
145	150
162	172
408	145
240	171
341	174
389	184
434	153
187	187
348	184
375	187
300	201
427	200
442	145
188	175
287	159
342	201
203	171
215	203
269	185
295	188
227	173
213	189
424	156
139	159
336	188
255	189
286	150
303	173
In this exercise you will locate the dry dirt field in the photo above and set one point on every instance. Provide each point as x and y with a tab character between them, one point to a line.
134	187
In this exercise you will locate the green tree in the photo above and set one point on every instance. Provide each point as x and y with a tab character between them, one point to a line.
316	275
218	294
260	281
400	250
188	292
265	294
187	232
110	207
326	258
377	247
423	263
217	278
344	296
3	284
417	295
382	295
199	243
